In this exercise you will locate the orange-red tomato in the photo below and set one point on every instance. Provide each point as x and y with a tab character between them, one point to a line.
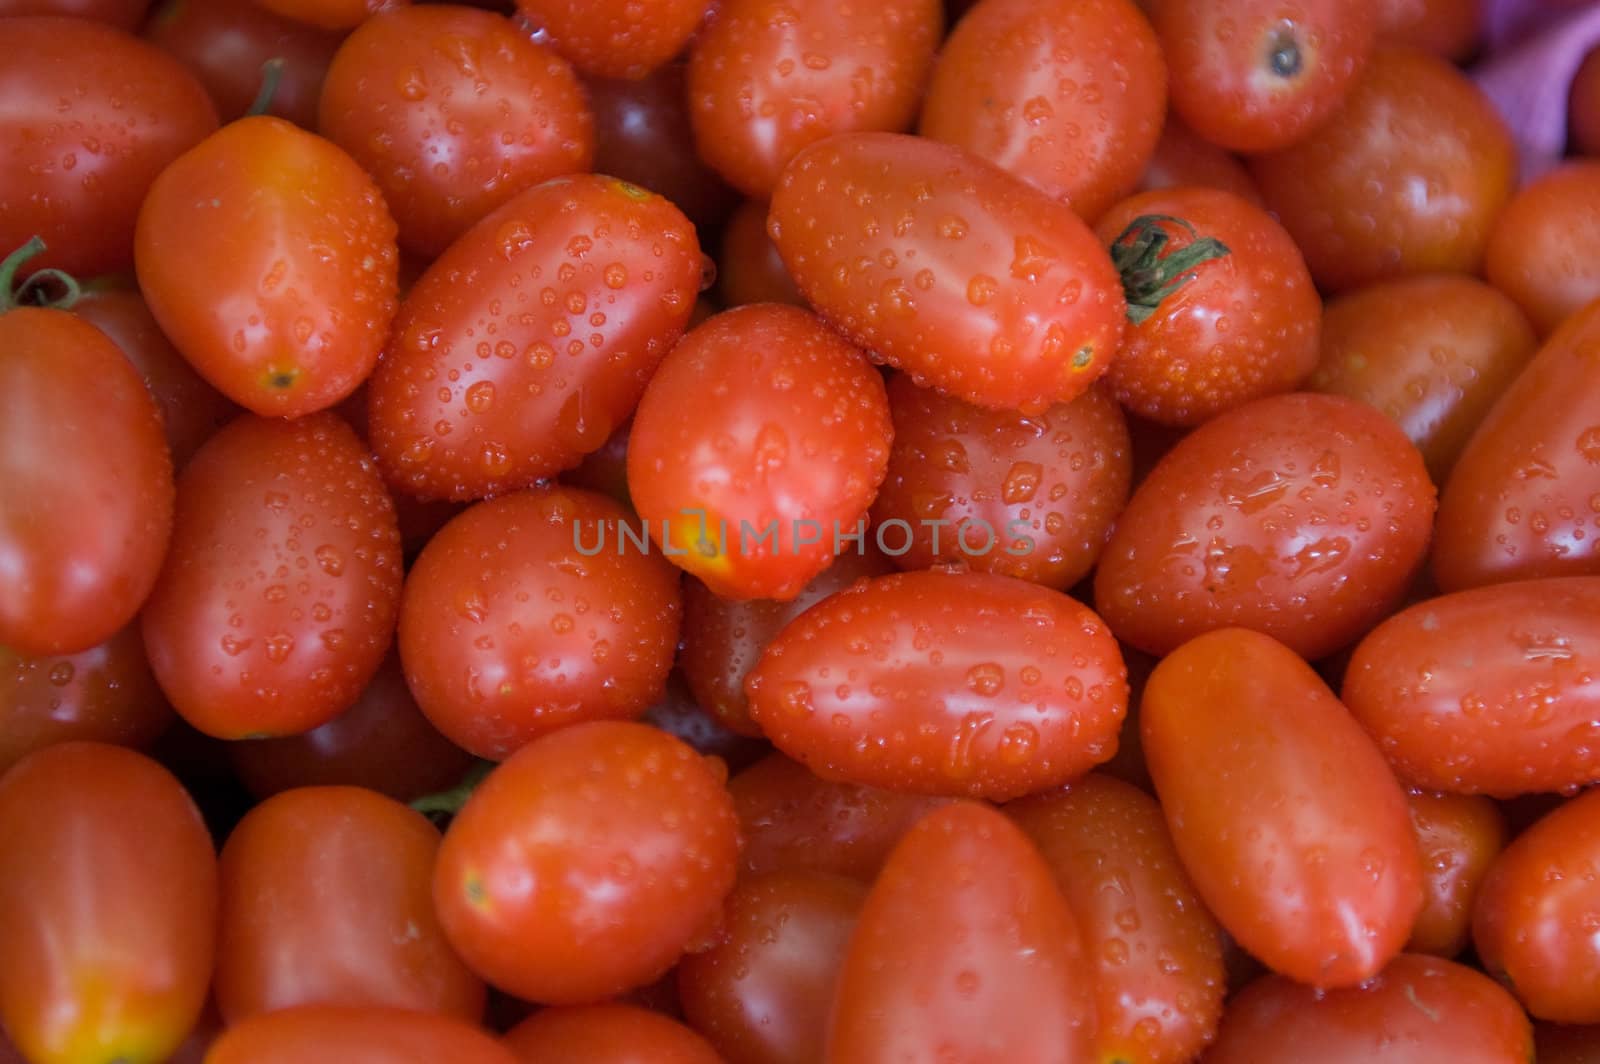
330	14
614	38
1183	158
326	1034
1459	836
750	269
1449	28
124	14
1538	249
607	1034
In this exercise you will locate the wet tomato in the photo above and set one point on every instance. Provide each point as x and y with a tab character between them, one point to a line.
614	38
1459	835
1182	158
1538	249
607	1034
1449	28
327	1034
330	14
750	270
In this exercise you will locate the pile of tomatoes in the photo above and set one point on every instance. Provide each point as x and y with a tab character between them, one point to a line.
794	531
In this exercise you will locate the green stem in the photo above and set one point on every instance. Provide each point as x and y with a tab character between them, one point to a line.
1151	270
271	75
449	802
9	267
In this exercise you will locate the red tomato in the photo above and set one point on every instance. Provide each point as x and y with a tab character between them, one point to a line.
677	714
965	950
531	339
755	494
605	470
614	38
123	14
750	269
454	111
944	683
1292	827
1406	178
1420	1010
279	595
1066	94
949	269
1538	248
1182	158
108	901
1583	108
1301	516
1449	28
330	14
331	1035
586	863
515	625
1459	835
607	1034
1156	952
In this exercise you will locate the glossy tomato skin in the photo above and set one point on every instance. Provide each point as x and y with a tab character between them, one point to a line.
108	935
614	38
607	1034
1536	251
1301	516
87	508
532	338
1294	830
750	270
1182	158
1240	327
326	1034
279	595
1448	28
331	14
454	111
1459	836
1419	1010
587	862
965	948
1346	192
123	14
754	494
92	116
1156	952
1067	95
514	625
949	269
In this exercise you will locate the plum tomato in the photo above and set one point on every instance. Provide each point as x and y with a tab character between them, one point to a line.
965	950
943	683
527	342
1433	353
513	625
279	595
1301	516
1447	28
330	1034
607	1034
1538	252
750	270
1287	818
123	14
756	493
1407	177
454	111
1459	836
1066	94
268	256
108	903
1221	306
586	863
614	38
950	269
1156	952
1182	158
330	14
1048	486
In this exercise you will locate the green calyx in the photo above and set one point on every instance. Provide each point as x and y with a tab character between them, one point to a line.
449	802
55	289
1151	268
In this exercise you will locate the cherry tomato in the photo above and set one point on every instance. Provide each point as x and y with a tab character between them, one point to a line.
280	592
1448	28
1433	353
1460	835
1407	177
1295	832
531	339
614	38
750	269
1537	252
1182	158
1583	107
323	1034
423	98
586	863
108	901
330	14
515	623
123	14
607	1034
1558	1044
949	269
1156	952
1301	516
755	495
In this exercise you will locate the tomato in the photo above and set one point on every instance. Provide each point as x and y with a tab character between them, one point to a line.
756	495
284	307
1047	487
1419	1010
1524	498
1536	252
1433	353
106	933
961	275
279	595
943	683
526	614
1128	765
1449	28
1182	158
1156	952
1292	827
763	86
92	116
750	269
762	994
123	14
605	470
330	14
1067	95
531	339
1583	108
965	950
1460	835
332	1035
614	38
1301	516
1557	1044
677	714
454	111
1243	322
586	863
1407	177
607	1034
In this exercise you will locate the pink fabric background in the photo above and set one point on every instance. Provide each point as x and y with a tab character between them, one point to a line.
1534	49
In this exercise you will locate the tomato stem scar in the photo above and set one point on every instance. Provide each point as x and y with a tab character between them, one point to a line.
1150	270
271	75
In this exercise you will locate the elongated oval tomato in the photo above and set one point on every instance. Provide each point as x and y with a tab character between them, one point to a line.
326	1034
1182	158
280	592
965	949
1459	836
1295	832
607	1034
1490	691
1537	252
330	14
950	269
531	339
108	903
614	38
749	268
